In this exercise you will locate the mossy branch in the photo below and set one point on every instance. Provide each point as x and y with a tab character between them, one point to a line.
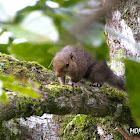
58	99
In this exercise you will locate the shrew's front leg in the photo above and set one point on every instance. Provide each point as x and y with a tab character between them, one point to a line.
61	80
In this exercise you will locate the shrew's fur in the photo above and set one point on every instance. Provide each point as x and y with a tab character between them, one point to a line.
78	64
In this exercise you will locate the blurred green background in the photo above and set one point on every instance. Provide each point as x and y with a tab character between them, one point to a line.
35	30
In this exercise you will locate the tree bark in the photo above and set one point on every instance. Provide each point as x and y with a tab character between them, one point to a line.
122	30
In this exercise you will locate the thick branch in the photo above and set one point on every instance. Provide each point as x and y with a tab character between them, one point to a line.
61	100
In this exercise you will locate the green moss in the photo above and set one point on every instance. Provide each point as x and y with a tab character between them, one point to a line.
59	90
63	90
113	93
26	69
22	106
52	87
86	130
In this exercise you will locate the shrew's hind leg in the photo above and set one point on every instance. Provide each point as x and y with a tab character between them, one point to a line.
96	84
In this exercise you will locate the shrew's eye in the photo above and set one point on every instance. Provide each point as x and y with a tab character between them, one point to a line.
67	65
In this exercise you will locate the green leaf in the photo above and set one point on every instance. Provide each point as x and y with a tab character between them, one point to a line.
78	118
42	53
1	86
32	30
21	32
3	97
11	83
67	3
133	87
22	90
7	78
4	48
83	118
101	52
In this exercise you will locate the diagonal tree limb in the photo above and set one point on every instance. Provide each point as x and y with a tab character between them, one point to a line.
57	99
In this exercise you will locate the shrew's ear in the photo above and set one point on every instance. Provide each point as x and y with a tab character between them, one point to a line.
72	56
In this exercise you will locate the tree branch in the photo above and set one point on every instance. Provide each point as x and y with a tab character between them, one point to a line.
58	99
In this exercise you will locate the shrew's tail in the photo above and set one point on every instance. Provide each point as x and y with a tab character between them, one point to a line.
116	81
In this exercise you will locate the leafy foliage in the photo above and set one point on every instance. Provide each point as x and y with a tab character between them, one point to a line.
86	128
3	96
42	53
133	87
39	32
4	48
9	83
78	118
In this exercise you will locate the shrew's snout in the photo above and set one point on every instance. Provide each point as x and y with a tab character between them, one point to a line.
57	74
60	74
